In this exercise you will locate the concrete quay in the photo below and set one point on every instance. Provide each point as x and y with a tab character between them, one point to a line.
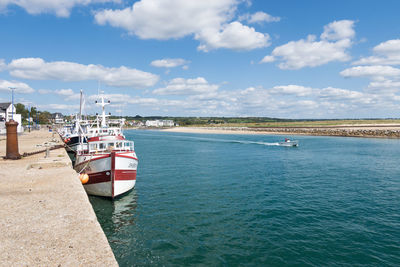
46	218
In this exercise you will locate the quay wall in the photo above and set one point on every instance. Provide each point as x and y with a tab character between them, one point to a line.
46	218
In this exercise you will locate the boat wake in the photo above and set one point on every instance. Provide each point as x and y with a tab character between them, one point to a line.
204	139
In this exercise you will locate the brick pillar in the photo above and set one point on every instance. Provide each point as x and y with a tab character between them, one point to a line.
12	140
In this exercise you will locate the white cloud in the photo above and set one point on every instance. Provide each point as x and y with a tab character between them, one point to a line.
386	53
291	90
210	21
268	59
65	92
234	36
286	101
169	62
57	107
339	94
388	87
38	69
375	72
259	17
180	86
20	87
332	46
338	30
62	8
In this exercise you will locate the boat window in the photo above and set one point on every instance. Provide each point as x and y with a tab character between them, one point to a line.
102	146
110	144
118	145
104	131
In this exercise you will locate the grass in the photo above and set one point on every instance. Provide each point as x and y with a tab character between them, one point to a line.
312	123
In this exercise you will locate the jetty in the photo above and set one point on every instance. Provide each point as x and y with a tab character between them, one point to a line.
46	218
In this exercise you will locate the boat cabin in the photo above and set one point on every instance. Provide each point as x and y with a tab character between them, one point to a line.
111	145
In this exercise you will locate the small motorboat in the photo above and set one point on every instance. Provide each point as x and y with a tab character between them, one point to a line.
289	142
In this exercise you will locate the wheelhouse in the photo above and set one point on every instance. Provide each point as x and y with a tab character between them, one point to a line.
111	145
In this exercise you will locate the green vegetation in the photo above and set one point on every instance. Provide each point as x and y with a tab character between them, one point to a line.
261	122
43	117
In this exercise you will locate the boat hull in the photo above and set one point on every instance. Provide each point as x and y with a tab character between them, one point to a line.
290	143
110	174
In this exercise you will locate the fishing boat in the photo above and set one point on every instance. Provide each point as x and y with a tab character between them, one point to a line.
111	164
289	142
75	135
107	158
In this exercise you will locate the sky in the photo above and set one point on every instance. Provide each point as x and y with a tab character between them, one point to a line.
307	59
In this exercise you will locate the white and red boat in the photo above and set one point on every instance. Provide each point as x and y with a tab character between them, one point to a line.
108	159
111	163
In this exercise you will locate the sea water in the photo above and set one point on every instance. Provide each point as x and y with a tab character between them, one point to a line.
228	200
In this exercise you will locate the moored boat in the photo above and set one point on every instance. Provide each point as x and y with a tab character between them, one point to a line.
111	164
106	157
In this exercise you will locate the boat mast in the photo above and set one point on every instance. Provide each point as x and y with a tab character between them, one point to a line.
103	114
80	106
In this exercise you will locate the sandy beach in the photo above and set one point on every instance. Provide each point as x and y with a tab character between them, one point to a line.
361	130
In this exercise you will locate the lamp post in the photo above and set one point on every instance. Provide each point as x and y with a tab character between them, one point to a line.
12	101
36	119
29	118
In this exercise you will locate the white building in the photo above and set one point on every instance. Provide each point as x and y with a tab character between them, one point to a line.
58	118
7	112
160	123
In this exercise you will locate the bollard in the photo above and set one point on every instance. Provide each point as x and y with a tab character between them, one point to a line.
12	140
47	152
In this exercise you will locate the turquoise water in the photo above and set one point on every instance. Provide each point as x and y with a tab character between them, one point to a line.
227	200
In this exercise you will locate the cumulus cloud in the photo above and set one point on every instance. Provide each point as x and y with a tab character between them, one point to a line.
338	94
259	17
38	69
332	46
234	36
209	21
58	107
169	62
181	86
61	8
386	53
20	87
67	94
291	90
375	72
286	101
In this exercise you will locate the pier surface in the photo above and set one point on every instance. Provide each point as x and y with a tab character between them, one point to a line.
46	218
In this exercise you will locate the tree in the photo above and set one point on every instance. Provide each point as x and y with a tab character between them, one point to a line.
20	109
44	117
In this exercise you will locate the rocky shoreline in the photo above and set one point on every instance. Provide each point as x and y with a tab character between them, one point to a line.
372	131
348	132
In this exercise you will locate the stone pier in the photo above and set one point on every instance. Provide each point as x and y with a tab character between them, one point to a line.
46	218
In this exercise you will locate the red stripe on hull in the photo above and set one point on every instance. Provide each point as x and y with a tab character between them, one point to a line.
99	177
106	138
125	175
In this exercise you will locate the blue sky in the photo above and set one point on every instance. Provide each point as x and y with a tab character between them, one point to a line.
287	58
